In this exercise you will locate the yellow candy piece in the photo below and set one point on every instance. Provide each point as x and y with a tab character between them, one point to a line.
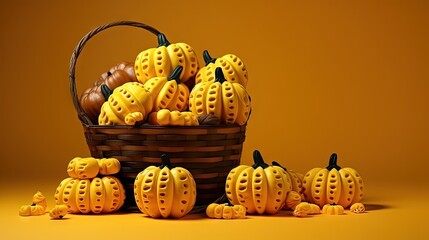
357	208
39	199
31	210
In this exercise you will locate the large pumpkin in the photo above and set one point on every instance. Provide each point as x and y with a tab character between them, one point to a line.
165	191
333	185
233	67
97	195
128	104
228	101
168	92
92	98
162	60
260	188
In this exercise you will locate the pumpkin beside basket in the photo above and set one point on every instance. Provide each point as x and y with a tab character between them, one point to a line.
208	152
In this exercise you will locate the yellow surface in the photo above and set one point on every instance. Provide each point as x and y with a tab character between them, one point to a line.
325	76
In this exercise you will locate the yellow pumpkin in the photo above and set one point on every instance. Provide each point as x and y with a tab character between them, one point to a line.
59	211
40	199
164	117
234	68
333	209
260	188
333	184
227	101
127	104
31	210
225	211
168	92
97	195
357	208
165	191
108	166
304	208
83	168
161	61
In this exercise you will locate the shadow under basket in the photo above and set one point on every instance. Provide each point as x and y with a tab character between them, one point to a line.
208	152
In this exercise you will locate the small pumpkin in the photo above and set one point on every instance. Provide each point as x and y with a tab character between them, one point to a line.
332	209
227	101
40	199
225	211
162	60
165	191
97	195
83	168
31	210
304	208
168	92
108	166
357	208
260	188
58	212
92	98
333	184
126	105
164	117
234	68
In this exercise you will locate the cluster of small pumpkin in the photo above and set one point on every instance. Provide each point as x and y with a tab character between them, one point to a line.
166	86
39	205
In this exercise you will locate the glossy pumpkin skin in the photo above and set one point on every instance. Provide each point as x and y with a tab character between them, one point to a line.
225	211
164	117
162	60
233	68
165	191
97	195
260	188
333	184
227	101
83	168
127	105
168	92
92	98
108	166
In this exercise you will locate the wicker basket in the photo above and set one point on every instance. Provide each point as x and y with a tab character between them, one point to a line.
208	152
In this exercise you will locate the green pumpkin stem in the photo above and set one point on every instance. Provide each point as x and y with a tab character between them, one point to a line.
175	75
259	161
106	91
333	162
162	40
165	159
207	58
219	77
274	163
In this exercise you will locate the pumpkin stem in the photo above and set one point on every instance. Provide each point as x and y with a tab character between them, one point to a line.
207	58
106	91
162	40
175	75
219	77
109	74
333	162
259	161
165	159
274	163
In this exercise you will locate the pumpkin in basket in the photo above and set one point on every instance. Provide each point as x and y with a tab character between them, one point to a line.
92	98
260	188
126	105
162	60
97	195
233	67
165	191
168	92
164	117
333	184
228	101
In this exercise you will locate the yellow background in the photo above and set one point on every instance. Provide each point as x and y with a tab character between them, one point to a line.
325	76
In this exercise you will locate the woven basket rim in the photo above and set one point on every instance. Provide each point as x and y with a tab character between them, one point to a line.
149	126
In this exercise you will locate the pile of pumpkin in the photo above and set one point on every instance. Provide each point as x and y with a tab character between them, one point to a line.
170	192
166	86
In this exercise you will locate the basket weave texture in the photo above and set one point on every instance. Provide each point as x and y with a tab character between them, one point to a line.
208	152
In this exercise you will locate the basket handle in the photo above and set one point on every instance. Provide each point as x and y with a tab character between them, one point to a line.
78	49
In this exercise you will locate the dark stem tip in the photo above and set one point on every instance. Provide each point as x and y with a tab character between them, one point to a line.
175	75
106	91
165	159
333	162
207	58
274	163
219	77
162	40
258	160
